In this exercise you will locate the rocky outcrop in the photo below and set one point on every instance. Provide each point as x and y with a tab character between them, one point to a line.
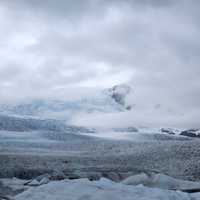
168	131
128	129
119	94
191	133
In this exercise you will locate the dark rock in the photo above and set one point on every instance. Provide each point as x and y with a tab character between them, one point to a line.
132	129
119	93
5	198
74	176
129	129
94	176
191	133
128	107
57	175
168	131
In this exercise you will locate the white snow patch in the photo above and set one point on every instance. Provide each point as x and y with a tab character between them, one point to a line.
161	181
104	189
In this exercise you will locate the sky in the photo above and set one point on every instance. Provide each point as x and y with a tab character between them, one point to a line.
70	47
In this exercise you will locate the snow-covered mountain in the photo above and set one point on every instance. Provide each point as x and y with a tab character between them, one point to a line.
107	101
44	114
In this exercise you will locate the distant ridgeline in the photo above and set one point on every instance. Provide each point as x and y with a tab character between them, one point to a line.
10	123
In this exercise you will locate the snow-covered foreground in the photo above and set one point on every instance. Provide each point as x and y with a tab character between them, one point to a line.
104	189
141	186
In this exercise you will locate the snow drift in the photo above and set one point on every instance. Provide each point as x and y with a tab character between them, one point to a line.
83	189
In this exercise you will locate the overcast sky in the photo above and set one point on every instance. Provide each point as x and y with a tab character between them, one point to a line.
153	45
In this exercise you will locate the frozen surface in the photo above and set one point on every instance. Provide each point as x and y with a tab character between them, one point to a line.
40	146
104	189
161	181
31	153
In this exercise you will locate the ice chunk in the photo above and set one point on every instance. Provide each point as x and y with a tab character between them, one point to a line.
99	190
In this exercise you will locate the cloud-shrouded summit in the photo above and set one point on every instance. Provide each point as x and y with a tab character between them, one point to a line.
66	49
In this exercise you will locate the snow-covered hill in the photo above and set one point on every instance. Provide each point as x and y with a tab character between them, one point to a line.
106	101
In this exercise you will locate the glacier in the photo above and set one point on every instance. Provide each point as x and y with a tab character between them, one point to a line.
106	101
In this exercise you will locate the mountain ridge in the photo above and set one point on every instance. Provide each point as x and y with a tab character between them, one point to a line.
109	100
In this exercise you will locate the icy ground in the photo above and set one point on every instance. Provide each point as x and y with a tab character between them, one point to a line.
32	147
141	186
104	189
31	153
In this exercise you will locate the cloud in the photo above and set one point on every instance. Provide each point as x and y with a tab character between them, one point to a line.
151	44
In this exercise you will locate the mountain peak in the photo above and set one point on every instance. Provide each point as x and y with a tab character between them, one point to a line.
119	94
109	101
